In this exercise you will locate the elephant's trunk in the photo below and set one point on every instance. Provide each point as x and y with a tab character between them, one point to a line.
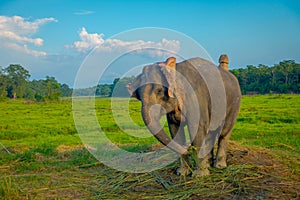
151	118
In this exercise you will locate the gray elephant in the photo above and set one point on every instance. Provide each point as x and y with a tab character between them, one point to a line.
181	91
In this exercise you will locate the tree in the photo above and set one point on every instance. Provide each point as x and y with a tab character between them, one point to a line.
65	91
3	84
52	88
17	80
286	67
281	78
265	78
104	90
39	89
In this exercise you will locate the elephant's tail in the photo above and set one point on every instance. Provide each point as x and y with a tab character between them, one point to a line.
223	62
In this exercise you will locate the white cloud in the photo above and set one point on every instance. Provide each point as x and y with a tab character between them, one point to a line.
89	41
16	33
21	39
24	49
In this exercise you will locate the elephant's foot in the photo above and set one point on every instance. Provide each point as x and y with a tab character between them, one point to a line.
201	172
221	163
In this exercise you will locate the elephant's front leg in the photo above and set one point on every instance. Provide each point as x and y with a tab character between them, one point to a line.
202	166
201	162
177	133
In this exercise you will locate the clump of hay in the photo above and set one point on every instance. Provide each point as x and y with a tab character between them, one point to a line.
251	174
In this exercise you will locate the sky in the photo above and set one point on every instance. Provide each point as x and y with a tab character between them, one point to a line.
56	37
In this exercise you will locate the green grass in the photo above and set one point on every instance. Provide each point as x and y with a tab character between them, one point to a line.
47	159
272	122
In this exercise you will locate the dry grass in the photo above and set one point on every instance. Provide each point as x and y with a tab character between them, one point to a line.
252	174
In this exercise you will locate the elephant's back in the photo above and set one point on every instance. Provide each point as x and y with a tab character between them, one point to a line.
198	71
195	72
213	81
205	72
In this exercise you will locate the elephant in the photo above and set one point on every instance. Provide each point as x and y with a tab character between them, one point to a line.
180	91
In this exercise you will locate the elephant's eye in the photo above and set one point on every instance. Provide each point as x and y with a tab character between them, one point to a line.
159	91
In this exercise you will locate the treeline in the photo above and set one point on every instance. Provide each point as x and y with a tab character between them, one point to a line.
116	89
280	78
283	77
14	83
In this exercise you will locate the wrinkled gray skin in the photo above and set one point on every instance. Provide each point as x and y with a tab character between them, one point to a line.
152	88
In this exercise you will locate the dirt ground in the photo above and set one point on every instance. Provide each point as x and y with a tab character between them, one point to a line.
251	174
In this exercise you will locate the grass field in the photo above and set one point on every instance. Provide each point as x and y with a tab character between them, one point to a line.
44	158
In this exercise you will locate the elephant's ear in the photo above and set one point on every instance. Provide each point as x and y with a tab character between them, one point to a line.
130	90
169	70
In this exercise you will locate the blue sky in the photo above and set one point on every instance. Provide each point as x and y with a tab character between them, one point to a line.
53	37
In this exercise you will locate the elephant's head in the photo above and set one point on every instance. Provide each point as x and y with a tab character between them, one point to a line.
159	93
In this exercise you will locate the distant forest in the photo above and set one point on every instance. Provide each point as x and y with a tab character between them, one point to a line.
280	78
283	77
14	83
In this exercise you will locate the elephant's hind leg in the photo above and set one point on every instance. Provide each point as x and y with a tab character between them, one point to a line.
220	161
